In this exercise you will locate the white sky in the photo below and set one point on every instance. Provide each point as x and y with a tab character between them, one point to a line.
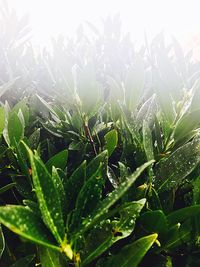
51	17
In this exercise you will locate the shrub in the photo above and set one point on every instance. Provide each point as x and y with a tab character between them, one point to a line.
100	152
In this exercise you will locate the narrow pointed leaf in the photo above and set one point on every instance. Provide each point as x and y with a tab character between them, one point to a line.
104	236
73	185
25	261
48	197
2	242
147	141
131	255
60	188
2	119
113	197
88	197
7	187
188	123
25	223
23	106
178	165
94	163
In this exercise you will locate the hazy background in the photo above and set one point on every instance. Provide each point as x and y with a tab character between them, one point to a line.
52	17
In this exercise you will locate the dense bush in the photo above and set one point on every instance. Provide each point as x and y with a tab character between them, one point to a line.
99	150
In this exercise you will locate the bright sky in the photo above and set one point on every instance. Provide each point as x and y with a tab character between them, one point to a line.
51	17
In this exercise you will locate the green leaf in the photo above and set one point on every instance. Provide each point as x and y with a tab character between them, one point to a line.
49	257
94	164
73	185
147	141
107	233
113	197
2	242
34	139
25	223
48	197
43	106
196	97
147	112
59	160
2	119
33	206
111	139
25	262
88	197
131	255
181	215
60	188
23	106
112	177
21	159
15	129
186	124
177	235
154	221
7	187
178	165
196	190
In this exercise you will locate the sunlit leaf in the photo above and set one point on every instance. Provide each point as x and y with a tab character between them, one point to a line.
112	198
178	165
59	160
25	223
48	197
111	139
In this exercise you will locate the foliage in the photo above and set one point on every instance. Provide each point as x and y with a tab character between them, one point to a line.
99	150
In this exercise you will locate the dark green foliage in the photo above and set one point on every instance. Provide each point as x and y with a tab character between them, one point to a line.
99	151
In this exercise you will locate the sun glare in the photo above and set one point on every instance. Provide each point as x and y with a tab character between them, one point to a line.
49	17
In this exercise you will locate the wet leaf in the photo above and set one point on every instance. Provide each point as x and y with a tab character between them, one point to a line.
60	188
94	164
88	197
34	139
48	197
188	123
25	223
111	139
147	141
113	197
178	165
147	112
105	235
73	185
